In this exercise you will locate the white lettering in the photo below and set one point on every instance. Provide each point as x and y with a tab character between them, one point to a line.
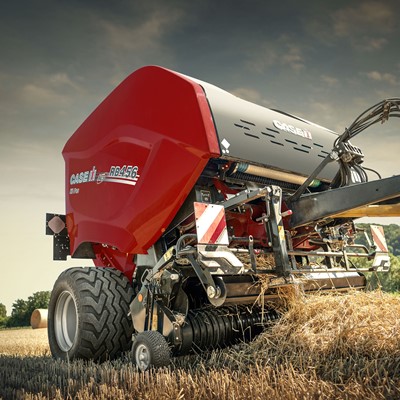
292	129
277	124
125	172
83	177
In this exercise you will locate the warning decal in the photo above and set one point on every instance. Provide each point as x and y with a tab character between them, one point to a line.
378	236
210	224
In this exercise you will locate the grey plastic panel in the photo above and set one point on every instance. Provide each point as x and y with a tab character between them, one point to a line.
258	135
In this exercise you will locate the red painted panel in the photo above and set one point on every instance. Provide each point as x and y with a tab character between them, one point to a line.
158	125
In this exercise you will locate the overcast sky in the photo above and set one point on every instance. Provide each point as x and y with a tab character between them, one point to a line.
324	61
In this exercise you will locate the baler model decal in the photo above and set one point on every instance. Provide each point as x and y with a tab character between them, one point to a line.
127	174
127	171
211	224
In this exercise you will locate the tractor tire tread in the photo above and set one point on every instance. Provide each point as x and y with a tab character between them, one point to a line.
155	341
104	296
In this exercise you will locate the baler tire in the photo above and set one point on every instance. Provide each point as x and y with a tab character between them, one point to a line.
150	350
88	314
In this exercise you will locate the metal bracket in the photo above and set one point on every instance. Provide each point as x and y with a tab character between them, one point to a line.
244	197
203	274
333	156
142	306
162	262
276	231
252	255
219	259
56	226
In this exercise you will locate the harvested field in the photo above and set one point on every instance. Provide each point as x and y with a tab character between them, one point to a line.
324	347
24	342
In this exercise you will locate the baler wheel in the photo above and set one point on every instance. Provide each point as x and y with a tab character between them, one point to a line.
88	314
150	349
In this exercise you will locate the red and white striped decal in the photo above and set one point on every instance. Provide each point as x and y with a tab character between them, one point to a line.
378	235
210	224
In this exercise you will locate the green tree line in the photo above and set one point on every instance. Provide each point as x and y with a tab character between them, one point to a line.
22	310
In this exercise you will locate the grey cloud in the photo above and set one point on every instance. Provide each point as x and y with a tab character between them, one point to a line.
384	77
128	45
144	36
261	58
55	90
293	57
368	15
365	25
376	43
329	80
36	96
283	52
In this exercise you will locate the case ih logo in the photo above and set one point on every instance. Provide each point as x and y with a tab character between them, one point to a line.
83	177
127	175
292	129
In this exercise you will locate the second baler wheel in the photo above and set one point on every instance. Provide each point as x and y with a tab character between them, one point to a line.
150	349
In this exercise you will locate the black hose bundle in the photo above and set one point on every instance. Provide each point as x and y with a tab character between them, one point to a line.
348	156
379	112
350	169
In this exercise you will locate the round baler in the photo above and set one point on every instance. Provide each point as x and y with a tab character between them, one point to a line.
197	208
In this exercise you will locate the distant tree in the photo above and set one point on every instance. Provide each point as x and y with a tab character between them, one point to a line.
389	281
22	309
19	313
3	315
38	300
3	311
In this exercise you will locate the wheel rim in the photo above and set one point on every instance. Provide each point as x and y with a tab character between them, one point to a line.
65	321
142	357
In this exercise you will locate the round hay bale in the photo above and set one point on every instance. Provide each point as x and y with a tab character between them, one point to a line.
39	318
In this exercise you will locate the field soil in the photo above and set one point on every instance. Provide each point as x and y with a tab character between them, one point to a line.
323	347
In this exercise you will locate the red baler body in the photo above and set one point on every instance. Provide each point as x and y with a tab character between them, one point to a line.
158	125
